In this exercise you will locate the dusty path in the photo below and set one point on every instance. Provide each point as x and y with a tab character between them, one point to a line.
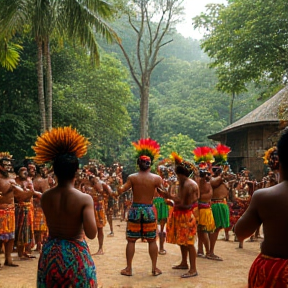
232	272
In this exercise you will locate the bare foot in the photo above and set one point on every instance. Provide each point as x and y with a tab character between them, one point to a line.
100	252
29	255
189	274
156	272
214	257
126	272
180	266
10	264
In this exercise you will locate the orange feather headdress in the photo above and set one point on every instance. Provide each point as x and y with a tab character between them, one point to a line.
6	156
147	147
271	158
181	162
58	141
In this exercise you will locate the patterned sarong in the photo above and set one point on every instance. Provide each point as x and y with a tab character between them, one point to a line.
237	209
141	222
268	272
100	215
7	222
66	263
24	231
161	207
206	221
181	227
220	211
39	217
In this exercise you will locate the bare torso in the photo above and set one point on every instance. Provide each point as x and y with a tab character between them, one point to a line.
188	193
65	219
143	186
205	189
220	190
6	190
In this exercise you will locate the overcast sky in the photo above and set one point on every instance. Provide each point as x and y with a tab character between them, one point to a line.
192	9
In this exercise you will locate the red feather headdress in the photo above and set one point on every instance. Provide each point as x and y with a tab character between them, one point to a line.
220	154
147	147
203	154
58	141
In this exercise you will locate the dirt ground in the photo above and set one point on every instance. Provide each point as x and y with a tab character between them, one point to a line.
232	272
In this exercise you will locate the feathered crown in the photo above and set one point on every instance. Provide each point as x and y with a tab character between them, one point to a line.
181	162
220	153
203	155
271	158
176	158
147	147
57	141
5	155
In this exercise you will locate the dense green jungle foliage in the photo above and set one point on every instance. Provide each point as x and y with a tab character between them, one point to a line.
103	102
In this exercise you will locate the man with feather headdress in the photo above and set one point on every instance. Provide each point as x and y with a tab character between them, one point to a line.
219	205
141	221
8	190
65	260
182	225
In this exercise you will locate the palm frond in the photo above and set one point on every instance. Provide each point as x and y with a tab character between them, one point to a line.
9	54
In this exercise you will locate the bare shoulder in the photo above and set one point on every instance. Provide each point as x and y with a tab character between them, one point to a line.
81	196
192	183
132	176
156	176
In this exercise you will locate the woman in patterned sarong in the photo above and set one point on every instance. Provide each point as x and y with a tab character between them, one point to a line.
65	260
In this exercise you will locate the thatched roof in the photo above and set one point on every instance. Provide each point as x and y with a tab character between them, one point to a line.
267	113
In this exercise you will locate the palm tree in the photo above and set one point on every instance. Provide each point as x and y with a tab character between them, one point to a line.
71	19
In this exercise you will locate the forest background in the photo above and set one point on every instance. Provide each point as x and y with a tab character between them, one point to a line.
102	102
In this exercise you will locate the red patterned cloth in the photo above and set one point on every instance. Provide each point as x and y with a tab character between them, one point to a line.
268	272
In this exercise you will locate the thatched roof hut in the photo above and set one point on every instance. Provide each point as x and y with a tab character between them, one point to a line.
254	133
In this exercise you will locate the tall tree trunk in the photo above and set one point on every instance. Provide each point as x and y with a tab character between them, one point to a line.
41	97
49	84
231	108
144	112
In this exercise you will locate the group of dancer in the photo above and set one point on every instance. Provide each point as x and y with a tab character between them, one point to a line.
58	208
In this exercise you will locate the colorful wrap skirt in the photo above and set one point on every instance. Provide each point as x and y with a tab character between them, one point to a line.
268	272
237	209
206	221
161	207
24	230
181	227
66	263
7	222
100	214
39	219
141	222
221	213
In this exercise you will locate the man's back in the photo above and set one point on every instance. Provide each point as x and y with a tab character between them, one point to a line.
68	215
143	186
272	208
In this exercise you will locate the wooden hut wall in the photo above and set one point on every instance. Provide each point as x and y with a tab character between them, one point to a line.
237	141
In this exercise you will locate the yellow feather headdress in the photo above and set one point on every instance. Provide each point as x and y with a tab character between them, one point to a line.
6	155
181	162
271	158
59	141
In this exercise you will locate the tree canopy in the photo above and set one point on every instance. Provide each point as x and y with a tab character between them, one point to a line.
248	39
